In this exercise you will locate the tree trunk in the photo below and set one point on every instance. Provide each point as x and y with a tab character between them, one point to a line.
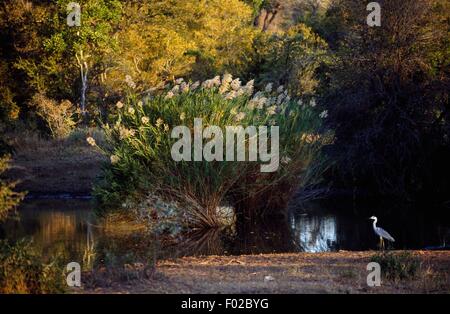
84	69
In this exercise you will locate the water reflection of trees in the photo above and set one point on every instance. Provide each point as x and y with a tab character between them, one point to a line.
89	251
200	242
267	236
315	234
69	230
272	235
56	227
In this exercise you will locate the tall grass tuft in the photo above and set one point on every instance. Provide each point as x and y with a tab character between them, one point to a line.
139	146
23	271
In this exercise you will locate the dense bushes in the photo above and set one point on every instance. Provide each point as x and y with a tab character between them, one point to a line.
292	58
388	100
160	40
140	146
385	88
152	41
8	198
59	118
22	271
397	266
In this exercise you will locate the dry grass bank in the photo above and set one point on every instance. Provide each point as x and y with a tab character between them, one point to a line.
341	272
52	167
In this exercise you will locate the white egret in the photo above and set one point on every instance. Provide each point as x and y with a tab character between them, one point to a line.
383	234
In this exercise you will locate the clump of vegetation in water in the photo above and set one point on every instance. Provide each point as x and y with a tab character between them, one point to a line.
396	266
140	148
23	271
8	198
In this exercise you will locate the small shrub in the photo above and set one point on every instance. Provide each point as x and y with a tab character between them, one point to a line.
8	198
397	265
22	270
58	117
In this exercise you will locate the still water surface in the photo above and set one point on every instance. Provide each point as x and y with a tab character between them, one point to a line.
69	227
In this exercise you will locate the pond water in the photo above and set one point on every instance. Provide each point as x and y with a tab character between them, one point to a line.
68	227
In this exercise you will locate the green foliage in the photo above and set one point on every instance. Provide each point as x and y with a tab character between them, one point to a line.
386	89
9	111
292	58
160	40
150	40
257	5
8	198
22	271
41	48
140	148
388	101
396	266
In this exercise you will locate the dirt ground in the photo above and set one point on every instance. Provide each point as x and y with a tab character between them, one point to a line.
337	272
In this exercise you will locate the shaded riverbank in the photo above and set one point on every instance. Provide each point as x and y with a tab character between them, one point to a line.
55	168
338	272
70	227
